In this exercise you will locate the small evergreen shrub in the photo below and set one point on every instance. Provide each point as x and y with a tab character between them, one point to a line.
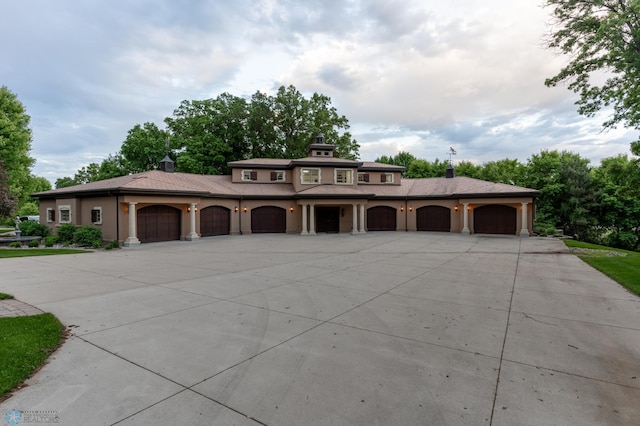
88	236
31	228
65	233
50	240
34	243
15	244
112	245
544	229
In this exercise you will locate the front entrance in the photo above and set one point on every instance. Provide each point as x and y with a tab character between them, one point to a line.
327	219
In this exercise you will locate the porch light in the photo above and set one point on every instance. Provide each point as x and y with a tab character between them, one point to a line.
189	209
245	209
291	209
410	208
456	208
236	210
401	208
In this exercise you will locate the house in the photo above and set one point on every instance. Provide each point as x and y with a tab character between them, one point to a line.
318	193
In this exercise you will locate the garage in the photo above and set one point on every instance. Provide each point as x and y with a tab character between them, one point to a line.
494	219
381	218
434	219
215	220
268	219
158	223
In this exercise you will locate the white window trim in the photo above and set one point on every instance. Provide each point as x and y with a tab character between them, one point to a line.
389	177
245	178
335	176
49	209
60	209
99	222
281	176
310	183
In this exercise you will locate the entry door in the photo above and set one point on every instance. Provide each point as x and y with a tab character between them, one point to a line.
327	219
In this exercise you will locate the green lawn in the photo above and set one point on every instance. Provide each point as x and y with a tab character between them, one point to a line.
36	252
620	265
25	342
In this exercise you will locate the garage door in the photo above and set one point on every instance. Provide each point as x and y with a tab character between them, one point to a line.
214	220
494	219
433	218
268	219
158	223
381	218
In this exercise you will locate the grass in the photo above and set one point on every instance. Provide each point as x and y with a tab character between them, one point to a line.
25	343
5	296
4	253
620	265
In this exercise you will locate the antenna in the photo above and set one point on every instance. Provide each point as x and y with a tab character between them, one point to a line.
451	153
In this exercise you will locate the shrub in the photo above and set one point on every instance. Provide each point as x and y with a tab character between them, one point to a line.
15	244
34	243
65	233
112	245
88	236
32	228
623	240
544	229
50	240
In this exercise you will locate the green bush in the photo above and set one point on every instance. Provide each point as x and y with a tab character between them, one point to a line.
112	245
88	236
15	244
65	233
31	228
50	240
34	243
623	240
544	229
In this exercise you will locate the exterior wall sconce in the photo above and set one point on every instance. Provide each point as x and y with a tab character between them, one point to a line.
469	208
401	208
189	209
456	208
236	210
410	208
245	209
291	209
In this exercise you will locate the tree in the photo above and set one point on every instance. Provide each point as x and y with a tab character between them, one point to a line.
506	171
15	144
468	169
142	150
427	169
403	159
600	36
8	202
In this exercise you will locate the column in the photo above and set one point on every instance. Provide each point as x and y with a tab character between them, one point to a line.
312	219
524	231
132	240
465	228
304	220
362	230
354	221
192	224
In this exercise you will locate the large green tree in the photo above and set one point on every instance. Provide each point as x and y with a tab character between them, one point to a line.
601	38
8	202
15	144
142	150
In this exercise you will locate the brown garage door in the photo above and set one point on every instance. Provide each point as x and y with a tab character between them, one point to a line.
433	218
268	219
214	220
158	223
494	219
381	218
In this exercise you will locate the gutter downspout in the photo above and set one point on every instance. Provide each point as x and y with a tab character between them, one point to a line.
240	215
406	215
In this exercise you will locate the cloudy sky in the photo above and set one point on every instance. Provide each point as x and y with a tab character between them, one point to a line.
418	76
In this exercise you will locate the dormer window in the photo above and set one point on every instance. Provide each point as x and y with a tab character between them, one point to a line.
363	177
249	175
386	178
278	176
310	176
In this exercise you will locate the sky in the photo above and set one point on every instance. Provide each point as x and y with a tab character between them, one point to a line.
415	76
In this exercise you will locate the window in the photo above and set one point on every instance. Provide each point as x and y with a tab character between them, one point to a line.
310	175
51	215
96	215
248	175
363	177
278	176
344	176
65	214
386	178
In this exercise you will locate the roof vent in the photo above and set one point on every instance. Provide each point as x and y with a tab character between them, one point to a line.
451	173
167	164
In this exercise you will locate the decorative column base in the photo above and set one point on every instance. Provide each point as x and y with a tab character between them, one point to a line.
524	232
192	236
131	242
465	232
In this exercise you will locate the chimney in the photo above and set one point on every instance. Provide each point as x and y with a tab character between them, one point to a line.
451	173
167	164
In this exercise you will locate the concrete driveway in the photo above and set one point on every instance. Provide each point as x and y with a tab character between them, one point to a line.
377	329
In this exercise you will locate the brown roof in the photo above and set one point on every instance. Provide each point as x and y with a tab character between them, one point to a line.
157	181
373	166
